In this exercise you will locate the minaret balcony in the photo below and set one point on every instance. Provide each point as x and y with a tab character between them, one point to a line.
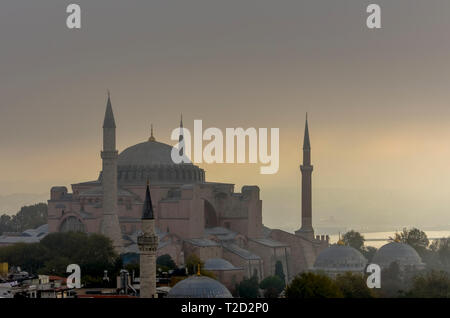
306	168
147	242
109	154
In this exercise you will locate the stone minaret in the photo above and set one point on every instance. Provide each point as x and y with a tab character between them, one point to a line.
148	243
306	168
110	224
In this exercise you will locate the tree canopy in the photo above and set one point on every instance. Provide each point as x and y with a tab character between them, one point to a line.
354	239
272	286
312	285
441	248
434	284
413	237
353	286
29	217
94	253
192	264
248	287
166	262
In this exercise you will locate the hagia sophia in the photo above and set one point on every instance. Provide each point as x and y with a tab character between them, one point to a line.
192	215
149	206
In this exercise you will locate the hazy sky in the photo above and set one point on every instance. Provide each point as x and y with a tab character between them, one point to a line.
378	100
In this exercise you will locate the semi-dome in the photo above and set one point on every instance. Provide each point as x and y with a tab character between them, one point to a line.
219	264
403	254
152	160
199	287
340	258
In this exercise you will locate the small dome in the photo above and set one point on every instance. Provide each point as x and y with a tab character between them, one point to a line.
340	258
199	287
401	253
146	153
218	264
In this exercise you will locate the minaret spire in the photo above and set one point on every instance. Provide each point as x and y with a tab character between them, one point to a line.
306	145
306	142
109	121
148	244
110	226
147	211
306	168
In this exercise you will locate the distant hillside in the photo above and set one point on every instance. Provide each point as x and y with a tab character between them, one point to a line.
10	204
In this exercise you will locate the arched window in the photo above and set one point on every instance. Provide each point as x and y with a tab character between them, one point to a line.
210	215
72	224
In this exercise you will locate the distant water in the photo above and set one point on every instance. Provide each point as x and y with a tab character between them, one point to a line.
378	239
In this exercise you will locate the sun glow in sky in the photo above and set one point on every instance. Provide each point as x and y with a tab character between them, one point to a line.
377	99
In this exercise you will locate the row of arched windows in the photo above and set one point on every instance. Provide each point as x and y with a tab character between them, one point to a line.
160	173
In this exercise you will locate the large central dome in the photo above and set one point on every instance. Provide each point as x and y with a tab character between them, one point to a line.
146	153
152	160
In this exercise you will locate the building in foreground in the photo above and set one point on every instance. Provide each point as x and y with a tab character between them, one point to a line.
198	286
339	259
403	254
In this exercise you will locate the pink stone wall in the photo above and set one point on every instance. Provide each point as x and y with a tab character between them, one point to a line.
248	265
303	252
270	256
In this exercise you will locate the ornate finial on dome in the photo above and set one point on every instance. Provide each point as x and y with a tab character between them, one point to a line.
152	138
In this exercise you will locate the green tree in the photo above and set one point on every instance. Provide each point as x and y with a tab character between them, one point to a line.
166	261
434	284
441	248
279	271
55	266
312	285
5	224
30	257
192	264
272	286
392	284
413	237
248	287
353	286
94	253
29	217
354	239
369	252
